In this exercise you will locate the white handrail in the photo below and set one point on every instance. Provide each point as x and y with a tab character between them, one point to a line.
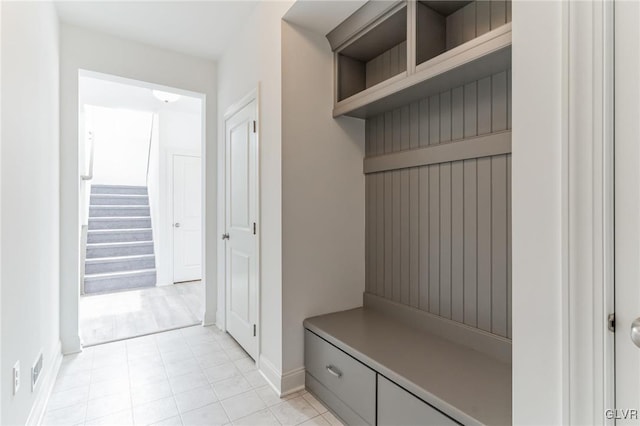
150	141
89	176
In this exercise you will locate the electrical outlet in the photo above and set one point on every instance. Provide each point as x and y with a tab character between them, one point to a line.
16	377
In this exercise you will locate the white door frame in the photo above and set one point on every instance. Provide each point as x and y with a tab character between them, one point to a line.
170	152
71	327
254	95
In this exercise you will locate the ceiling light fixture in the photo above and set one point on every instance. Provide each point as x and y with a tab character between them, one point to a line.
165	97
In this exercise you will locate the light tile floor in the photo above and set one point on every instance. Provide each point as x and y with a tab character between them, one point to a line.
192	376
115	316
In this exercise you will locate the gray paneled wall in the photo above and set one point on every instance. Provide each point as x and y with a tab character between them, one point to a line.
386	65
475	19
438	236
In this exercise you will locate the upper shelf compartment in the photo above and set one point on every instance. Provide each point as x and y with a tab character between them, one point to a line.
449	43
444	25
377	55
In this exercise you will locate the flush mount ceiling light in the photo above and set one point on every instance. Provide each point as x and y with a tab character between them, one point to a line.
165	97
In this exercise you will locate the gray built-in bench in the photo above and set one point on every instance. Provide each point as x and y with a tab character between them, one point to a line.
388	364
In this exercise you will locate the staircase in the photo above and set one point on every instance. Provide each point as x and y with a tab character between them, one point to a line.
120	252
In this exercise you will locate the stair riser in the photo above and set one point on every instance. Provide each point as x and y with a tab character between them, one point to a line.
119	237
103	267
118	212
95	224
95	252
139	190
103	200
105	285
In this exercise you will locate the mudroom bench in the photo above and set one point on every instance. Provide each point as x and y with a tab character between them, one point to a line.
389	364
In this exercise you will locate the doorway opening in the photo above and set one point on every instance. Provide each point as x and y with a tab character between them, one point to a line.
142	209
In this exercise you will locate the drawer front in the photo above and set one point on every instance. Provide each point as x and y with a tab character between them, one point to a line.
352	382
397	407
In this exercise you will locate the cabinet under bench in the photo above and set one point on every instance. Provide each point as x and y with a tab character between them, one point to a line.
371	368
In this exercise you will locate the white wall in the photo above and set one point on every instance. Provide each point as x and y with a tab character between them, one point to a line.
323	194
539	214
93	51
252	58
180	133
121	140
30	201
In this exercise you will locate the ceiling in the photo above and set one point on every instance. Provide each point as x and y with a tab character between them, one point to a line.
321	16
99	92
198	28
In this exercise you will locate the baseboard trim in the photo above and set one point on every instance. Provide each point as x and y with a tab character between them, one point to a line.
270	374
292	381
210	318
45	388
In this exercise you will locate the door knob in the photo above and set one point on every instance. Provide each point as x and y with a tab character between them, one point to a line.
635	332
225	236
177	225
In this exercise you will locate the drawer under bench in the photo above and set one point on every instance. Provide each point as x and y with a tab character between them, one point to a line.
358	394
372	370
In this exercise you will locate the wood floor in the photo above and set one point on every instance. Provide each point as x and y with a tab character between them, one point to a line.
109	317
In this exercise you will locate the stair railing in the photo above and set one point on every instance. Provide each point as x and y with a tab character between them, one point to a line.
89	175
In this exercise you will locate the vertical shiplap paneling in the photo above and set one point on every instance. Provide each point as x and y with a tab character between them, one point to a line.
508	10
424	122
405	131
388	235
470	242
457	113
388	132
445	240
434	239
424	238
397	130
414	237
457	241
483	17
434	119
380	234
368	277
445	116
405	245
469	22
484	106
470	109
509	98
414	125
454	29
402	57
396	234
499	102
372	245
498	13
439	236
393	59
385	65
509	292
499	245
484	243
380	134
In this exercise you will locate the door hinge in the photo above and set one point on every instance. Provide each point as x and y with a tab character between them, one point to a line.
254	228
254	126
254	330
611	322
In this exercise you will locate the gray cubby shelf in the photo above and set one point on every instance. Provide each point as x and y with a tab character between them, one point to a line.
447	43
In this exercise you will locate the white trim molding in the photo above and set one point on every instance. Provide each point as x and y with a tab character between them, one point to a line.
590	212
283	383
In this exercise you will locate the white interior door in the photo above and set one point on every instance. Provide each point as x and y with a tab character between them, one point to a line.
241	217
187	218
627	209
